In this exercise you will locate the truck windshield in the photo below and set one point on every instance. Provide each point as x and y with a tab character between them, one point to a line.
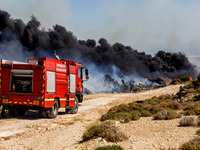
21	81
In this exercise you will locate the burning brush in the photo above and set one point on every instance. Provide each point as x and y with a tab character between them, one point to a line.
132	86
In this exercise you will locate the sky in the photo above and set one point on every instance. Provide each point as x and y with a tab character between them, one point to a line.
146	25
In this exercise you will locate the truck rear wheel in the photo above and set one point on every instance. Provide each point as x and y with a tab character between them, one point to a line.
53	112
20	112
43	113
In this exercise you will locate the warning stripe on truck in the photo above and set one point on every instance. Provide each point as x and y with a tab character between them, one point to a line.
61	99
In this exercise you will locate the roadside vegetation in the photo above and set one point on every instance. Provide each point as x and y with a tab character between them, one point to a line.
184	103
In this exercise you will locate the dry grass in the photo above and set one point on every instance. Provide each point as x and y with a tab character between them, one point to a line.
94	96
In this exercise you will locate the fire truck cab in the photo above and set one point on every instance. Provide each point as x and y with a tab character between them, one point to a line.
44	84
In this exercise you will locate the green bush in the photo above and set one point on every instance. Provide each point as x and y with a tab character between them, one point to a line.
187	121
191	145
166	115
106	130
114	147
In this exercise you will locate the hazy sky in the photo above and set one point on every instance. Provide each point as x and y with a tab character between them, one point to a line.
146	25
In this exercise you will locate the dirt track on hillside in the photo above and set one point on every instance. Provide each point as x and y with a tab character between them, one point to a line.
65	132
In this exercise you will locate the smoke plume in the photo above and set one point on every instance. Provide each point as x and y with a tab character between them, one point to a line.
119	61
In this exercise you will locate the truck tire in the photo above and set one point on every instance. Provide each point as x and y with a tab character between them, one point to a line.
53	112
44	114
74	110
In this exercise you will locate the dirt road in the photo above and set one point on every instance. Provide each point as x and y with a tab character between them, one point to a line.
65	132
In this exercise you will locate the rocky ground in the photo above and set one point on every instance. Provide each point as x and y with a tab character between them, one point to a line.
65	131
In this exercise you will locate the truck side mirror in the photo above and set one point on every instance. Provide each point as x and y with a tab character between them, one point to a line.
86	74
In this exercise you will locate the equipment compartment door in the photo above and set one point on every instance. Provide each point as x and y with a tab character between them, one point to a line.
51	82
72	83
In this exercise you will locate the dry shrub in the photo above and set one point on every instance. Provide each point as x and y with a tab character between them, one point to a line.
190	106
197	110
164	104
106	130
120	108
190	90
191	145
174	105
188	121
146	113
198	132
135	115
113	147
155	109
189	113
166	115
127	117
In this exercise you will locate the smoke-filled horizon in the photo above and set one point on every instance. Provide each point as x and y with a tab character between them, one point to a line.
145	25
19	41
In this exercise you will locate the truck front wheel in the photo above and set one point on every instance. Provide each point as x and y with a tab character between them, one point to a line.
53	112
75	108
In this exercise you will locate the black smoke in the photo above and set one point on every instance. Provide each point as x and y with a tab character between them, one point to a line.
112	59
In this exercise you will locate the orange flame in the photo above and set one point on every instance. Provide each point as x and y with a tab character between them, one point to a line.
190	78
167	81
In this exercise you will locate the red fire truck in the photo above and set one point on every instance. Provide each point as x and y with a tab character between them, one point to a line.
44	84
